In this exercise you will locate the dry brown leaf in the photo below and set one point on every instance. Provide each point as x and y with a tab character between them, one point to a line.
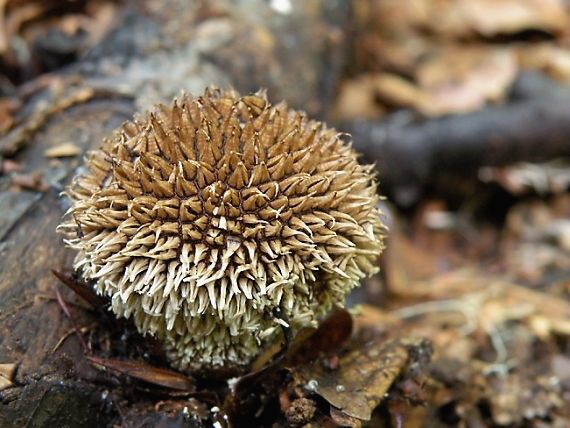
487	308
460	18
389	17
30	181
441	39
356	100
8	106
81	289
6	373
516	399
62	151
148	373
369	317
343	420
547	307
5	383
546	57
7	370
491	17
395	90
405	263
332	333
453	80
525	178
459	80
363	377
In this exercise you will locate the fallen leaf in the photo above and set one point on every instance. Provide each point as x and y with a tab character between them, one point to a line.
6	373
525	178
374	319
30	181
147	373
332	333
356	99
396	91
62	151
492	17
548	58
343	420
364	375
82	290
8	106
462	79
539	398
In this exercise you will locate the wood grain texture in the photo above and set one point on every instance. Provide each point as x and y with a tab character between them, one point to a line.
140	62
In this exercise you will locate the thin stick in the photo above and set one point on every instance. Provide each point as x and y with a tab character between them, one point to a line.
65	310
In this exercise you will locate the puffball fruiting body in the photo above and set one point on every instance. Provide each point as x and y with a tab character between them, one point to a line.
218	221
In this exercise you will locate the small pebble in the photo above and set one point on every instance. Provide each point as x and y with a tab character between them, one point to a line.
312	385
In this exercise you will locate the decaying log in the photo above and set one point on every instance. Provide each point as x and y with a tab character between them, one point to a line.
157	49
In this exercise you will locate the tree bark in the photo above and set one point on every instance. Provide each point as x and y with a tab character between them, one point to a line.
156	50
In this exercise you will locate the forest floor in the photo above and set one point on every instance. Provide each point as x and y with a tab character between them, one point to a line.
464	109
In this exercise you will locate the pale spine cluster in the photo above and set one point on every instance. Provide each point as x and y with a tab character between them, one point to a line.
218	221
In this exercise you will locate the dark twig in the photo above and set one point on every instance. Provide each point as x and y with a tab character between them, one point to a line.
155	375
410	153
65	310
80	289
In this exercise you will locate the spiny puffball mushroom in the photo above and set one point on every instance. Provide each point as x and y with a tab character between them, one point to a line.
218	221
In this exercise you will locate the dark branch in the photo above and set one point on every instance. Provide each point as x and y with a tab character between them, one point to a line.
410	153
